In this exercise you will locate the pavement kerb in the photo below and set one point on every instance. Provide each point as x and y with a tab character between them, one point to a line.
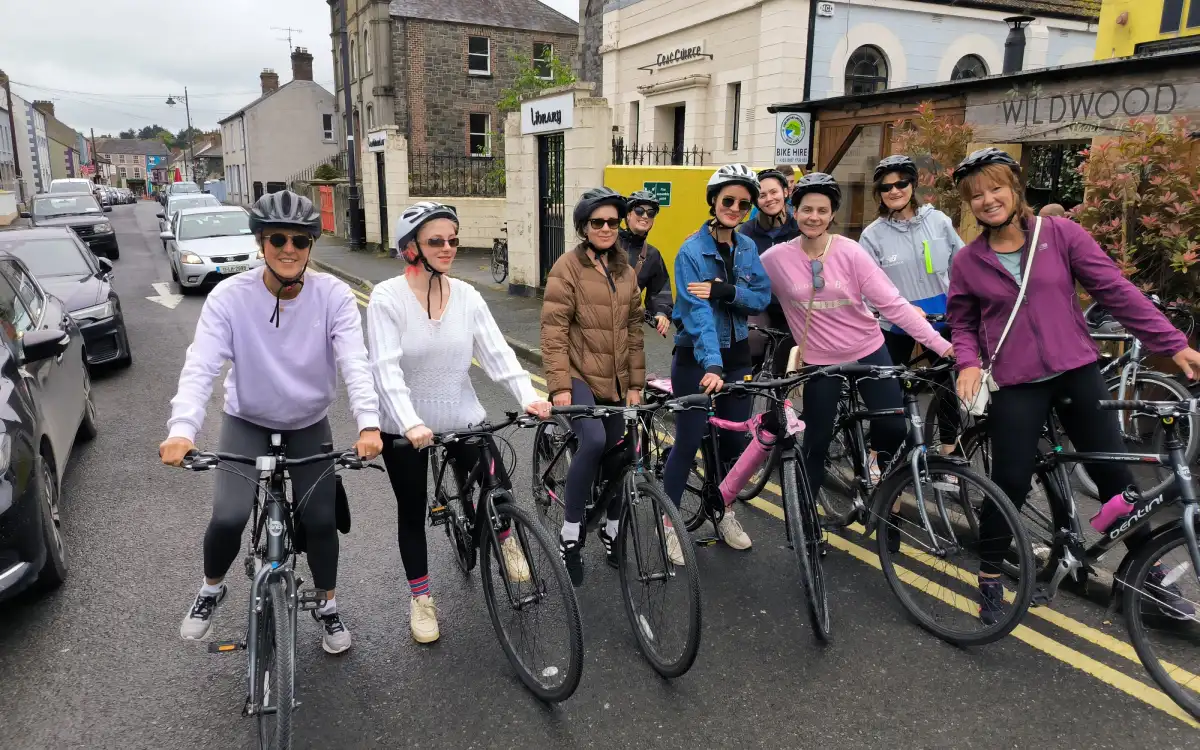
523	349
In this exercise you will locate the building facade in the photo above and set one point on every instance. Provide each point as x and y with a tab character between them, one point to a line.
684	74
8	157
129	159
63	144
39	147
1130	27
369	33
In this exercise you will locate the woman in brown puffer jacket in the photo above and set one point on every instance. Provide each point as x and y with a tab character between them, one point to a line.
592	352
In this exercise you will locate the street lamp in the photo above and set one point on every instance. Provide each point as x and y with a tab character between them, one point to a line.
191	136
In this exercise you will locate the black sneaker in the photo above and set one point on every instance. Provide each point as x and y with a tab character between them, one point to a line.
198	620
572	555
991	601
335	639
1167	599
610	547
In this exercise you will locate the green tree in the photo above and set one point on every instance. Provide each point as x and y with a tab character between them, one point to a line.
127	134
150	131
937	144
530	80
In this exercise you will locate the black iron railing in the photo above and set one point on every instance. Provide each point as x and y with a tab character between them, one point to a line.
657	154
451	175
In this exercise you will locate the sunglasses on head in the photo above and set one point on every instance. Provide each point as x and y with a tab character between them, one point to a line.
442	242
887	187
600	223
743	205
299	241
646	211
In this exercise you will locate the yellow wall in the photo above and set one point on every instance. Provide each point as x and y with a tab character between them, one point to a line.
1145	18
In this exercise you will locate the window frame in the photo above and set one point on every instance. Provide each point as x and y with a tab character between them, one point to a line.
975	59
366	51
16	274
548	61
848	77
327	132
735	91
17	331
486	134
486	55
1176	17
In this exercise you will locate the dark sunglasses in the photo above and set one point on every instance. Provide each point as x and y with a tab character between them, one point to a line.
644	211
600	223
887	187
440	242
299	241
818	279
743	205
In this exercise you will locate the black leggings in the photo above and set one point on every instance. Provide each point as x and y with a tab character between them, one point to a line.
595	436
408	471
900	348
1015	419
821	397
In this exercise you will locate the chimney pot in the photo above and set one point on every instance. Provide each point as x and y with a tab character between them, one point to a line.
46	108
270	81
302	65
1014	45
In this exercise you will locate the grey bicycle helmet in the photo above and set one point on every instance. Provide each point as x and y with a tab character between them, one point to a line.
898	163
285	209
642	198
817	182
732	174
415	216
595	198
977	160
773	174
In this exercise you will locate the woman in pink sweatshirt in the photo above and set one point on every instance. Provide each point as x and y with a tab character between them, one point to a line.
822	280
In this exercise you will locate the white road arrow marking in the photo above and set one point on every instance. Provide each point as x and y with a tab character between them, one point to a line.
164	296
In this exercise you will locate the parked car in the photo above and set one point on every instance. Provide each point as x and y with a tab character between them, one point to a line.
206	245
71	185
82	214
176	202
66	268
48	406
178	188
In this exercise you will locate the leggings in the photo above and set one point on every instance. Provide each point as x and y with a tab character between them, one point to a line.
595	436
821	397
691	427
900	347
408	471
1015	420
233	498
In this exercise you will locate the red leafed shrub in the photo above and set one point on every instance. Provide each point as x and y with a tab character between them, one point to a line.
937	144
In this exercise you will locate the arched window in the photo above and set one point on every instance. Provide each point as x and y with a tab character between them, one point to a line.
353	61
366	44
866	71
370	115
970	66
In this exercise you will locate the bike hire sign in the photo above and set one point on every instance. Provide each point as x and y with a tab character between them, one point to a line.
548	115
793	134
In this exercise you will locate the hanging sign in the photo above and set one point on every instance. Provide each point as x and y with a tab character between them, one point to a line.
549	114
793	134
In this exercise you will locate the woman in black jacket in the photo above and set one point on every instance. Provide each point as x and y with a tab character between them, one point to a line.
771	225
646	260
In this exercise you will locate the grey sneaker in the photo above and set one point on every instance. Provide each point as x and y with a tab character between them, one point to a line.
336	638
198	620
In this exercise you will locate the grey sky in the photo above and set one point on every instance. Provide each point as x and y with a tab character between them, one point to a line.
110	65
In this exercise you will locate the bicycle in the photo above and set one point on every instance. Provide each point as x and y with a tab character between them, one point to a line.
480	526
622	478
275	598
500	257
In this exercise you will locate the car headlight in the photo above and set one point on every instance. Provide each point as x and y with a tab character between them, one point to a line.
96	312
102	228
190	259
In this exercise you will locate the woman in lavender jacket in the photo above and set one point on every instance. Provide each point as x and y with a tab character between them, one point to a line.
1048	358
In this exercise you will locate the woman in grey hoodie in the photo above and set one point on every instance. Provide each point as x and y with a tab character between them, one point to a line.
913	244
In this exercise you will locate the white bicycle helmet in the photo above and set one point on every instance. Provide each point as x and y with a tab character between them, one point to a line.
732	174
416	215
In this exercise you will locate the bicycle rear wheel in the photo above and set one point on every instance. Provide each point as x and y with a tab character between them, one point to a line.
276	666
536	616
461	510
646	570
499	262
553	449
804	533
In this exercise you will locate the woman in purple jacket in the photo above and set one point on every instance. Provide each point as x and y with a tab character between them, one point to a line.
1048	358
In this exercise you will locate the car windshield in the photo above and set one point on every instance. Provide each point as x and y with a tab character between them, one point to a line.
215	224
185	187
71	186
55	256
198	201
67	205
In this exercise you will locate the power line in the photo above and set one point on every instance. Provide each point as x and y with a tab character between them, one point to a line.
125	96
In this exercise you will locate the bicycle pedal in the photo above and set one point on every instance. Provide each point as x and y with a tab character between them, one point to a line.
439	516
707	541
1042	597
311	599
226	647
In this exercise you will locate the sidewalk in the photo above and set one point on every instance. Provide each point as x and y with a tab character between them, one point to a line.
518	317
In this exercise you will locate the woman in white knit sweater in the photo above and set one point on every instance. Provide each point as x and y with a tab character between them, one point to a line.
423	328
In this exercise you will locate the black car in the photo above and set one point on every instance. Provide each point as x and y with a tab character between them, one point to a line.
45	405
65	267
82	214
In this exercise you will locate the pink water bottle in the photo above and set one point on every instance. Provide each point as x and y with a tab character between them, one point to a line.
1116	507
754	456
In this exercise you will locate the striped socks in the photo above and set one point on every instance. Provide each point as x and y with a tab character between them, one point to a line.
419	586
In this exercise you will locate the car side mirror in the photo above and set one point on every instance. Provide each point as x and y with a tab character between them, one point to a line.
167	235
106	266
161	215
39	345
108	209
25	215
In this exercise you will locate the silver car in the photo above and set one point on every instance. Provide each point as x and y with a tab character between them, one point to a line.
206	245
166	218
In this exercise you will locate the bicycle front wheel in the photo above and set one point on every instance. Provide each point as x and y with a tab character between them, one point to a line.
804	534
553	449
531	601
276	670
499	262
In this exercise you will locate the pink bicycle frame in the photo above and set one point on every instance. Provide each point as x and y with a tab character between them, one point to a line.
756	452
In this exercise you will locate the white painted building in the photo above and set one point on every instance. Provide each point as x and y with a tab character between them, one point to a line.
701	73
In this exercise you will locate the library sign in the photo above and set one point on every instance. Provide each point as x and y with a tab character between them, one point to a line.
548	115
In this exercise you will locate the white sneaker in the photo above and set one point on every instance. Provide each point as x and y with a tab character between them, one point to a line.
674	550
514	560
731	531
423	619
198	621
336	638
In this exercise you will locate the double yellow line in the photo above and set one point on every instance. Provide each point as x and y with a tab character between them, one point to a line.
1135	688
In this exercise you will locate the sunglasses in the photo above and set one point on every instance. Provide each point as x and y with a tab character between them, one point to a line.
643	211
440	242
887	187
601	223
743	205
818	280
299	241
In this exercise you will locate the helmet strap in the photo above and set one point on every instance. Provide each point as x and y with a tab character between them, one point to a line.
284	285
434	278
1001	225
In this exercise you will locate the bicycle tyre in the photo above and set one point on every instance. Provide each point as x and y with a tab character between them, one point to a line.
759	479
499	262
805	539
461	544
275	729
886	497
1179	392
835	490
1149	553
519	521
662	505
549	503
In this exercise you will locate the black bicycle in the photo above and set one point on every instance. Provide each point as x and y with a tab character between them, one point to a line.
647	560
540	596
500	257
275	598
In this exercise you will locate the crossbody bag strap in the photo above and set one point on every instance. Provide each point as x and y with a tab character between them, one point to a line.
1037	230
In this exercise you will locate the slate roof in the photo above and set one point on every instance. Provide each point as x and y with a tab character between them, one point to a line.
148	147
1083	10
257	101
528	15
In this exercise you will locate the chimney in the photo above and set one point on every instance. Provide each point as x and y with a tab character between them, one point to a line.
270	81
46	108
302	65
1014	45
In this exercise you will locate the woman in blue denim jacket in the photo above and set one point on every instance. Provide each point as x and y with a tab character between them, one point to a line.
719	283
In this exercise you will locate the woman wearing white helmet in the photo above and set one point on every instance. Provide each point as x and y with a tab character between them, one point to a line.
719	282
423	328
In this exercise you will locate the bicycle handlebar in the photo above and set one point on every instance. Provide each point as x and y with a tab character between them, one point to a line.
1153	408
487	428
203	460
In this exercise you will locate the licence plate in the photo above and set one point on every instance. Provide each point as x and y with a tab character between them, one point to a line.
232	269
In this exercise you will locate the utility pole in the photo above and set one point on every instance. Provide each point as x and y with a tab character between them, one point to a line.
289	31
357	230
191	135
95	160
12	127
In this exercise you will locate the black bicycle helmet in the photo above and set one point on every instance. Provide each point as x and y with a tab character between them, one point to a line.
732	174
896	163
817	182
979	159
285	209
773	174
642	198
595	198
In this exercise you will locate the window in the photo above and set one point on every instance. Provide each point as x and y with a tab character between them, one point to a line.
733	106
635	121
970	66
14	315
353	62
367	51
120	158
51	257
479	56
370	115
1193	16
543	53
866	71
137	173
327	127
1172	15
27	290
122	171
480	135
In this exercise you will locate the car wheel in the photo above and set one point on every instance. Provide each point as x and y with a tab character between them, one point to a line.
115	253
54	570
87	426
174	275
